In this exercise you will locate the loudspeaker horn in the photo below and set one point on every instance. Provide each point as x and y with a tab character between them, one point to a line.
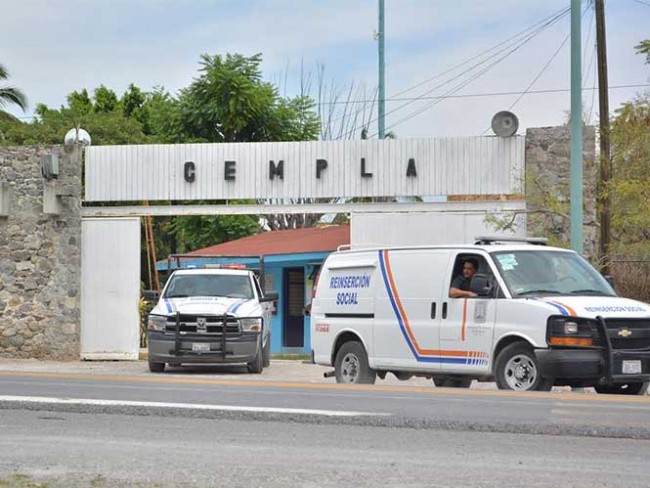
505	124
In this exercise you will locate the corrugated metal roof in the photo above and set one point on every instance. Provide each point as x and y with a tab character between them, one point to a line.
293	241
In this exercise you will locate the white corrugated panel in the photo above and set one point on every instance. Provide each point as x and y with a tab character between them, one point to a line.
448	166
110	288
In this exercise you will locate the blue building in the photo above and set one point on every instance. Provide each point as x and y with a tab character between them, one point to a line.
289	261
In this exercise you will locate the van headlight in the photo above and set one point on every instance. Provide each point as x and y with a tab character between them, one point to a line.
157	323
251	325
569	331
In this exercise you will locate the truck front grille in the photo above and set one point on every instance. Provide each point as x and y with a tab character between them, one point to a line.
204	324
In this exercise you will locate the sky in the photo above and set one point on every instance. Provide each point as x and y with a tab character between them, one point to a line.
433	48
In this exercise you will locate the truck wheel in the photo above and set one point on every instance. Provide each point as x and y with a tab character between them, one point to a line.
351	365
622	389
451	382
516	368
257	365
156	367
266	353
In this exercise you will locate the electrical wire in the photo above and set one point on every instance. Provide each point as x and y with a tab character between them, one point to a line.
541	72
476	75
524	34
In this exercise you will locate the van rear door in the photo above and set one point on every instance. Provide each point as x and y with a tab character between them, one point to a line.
408	308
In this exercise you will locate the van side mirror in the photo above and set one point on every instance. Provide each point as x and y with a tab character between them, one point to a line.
269	296
610	280
481	285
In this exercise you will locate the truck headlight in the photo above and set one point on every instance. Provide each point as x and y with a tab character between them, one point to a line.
251	325
156	322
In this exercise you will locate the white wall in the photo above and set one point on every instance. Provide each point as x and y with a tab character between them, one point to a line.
451	223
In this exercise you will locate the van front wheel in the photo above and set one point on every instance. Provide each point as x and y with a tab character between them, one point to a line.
517	368
351	365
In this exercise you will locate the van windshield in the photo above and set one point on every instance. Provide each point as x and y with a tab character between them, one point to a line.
209	285
542	273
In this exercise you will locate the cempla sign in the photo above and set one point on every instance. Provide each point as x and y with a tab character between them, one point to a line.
315	169
276	170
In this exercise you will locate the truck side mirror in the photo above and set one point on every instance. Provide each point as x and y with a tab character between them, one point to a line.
269	296
481	285
610	280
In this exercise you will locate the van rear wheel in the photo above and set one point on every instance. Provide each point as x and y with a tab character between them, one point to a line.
517	368
351	365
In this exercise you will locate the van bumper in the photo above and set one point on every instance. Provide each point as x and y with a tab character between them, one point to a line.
592	364
163	348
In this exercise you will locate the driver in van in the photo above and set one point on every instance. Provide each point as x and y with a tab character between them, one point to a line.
460	286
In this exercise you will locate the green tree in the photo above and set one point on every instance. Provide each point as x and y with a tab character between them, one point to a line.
10	95
230	102
105	100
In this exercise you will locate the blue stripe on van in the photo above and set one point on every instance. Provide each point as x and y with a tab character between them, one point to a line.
400	320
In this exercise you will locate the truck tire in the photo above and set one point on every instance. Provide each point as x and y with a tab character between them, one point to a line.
351	365
451	382
623	389
266	353
155	367
517	368
257	365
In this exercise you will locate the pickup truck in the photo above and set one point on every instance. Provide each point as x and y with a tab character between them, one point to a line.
211	316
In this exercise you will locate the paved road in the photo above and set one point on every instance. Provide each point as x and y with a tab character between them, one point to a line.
70	449
120	425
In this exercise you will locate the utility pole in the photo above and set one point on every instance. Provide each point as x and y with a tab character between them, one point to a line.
576	127
604	199
381	109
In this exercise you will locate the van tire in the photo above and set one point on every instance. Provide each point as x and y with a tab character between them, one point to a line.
156	367
451	382
266	353
351	365
517	368
622	389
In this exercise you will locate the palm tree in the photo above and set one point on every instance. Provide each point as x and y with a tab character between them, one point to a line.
9	94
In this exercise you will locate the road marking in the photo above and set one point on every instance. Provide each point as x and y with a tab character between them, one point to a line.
576	397
188	406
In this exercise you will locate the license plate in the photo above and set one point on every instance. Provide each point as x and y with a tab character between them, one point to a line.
200	346
632	367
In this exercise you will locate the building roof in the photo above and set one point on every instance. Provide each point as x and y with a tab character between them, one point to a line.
292	241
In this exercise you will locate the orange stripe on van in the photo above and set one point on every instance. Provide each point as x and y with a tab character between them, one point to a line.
433	352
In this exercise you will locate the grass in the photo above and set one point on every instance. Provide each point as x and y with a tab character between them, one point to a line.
18	480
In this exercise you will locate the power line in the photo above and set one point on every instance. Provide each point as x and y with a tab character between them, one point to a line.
475	76
524	35
544	68
643	3
464	83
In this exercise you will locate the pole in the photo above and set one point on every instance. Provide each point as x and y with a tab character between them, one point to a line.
382	83
576	127
605	147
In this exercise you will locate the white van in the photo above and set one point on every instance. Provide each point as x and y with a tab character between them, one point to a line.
541	316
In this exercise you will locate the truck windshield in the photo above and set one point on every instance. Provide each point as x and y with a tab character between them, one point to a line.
210	285
542	273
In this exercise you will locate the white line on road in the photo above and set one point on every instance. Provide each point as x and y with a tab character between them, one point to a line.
225	408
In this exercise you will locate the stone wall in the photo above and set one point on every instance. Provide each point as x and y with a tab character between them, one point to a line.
548	183
39	256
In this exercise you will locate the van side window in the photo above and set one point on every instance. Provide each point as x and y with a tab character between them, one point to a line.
465	267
